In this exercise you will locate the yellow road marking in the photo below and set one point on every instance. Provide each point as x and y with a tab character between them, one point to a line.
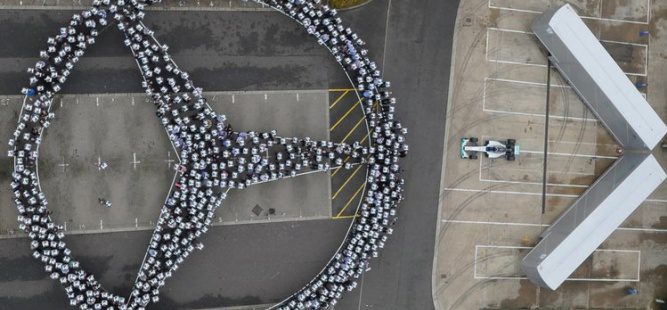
345	115
340	189
338	99
348	157
344	217
352	130
350	200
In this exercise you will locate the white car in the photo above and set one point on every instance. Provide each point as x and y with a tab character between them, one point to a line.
491	149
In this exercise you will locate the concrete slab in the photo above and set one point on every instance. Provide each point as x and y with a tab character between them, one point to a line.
521	97
630	11
501	262
498	204
502	48
503	43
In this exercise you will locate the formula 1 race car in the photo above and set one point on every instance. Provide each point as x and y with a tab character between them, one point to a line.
491	148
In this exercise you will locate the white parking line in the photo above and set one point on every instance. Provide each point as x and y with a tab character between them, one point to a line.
533	183
472	190
569	154
488	31
525	82
64	164
557	172
134	161
525	182
477	258
485	109
541	115
169	160
530	33
495	223
648	14
533	34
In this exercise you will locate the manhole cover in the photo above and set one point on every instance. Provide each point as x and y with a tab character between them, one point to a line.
257	210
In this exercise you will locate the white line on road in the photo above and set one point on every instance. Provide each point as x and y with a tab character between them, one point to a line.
361	290
169	160
569	154
134	161
494	223
507	277
583	17
527	193
533	183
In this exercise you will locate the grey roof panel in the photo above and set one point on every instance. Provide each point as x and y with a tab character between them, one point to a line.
610	95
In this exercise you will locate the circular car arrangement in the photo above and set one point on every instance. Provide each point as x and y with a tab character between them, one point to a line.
213	158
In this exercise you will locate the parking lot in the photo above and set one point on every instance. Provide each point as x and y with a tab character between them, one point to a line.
491	210
120	130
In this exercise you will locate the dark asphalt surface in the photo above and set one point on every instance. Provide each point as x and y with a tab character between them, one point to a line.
241	264
418	56
256	264
220	50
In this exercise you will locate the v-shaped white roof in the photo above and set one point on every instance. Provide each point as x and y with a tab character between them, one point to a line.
611	96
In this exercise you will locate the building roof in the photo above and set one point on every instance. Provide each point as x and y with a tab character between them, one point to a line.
609	94
598	79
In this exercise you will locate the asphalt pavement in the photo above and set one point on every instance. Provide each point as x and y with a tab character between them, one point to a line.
222	51
418	55
241	265
259	263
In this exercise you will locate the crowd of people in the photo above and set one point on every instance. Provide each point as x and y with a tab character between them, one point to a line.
213	158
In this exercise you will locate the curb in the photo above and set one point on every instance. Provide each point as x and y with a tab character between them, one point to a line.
452	72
